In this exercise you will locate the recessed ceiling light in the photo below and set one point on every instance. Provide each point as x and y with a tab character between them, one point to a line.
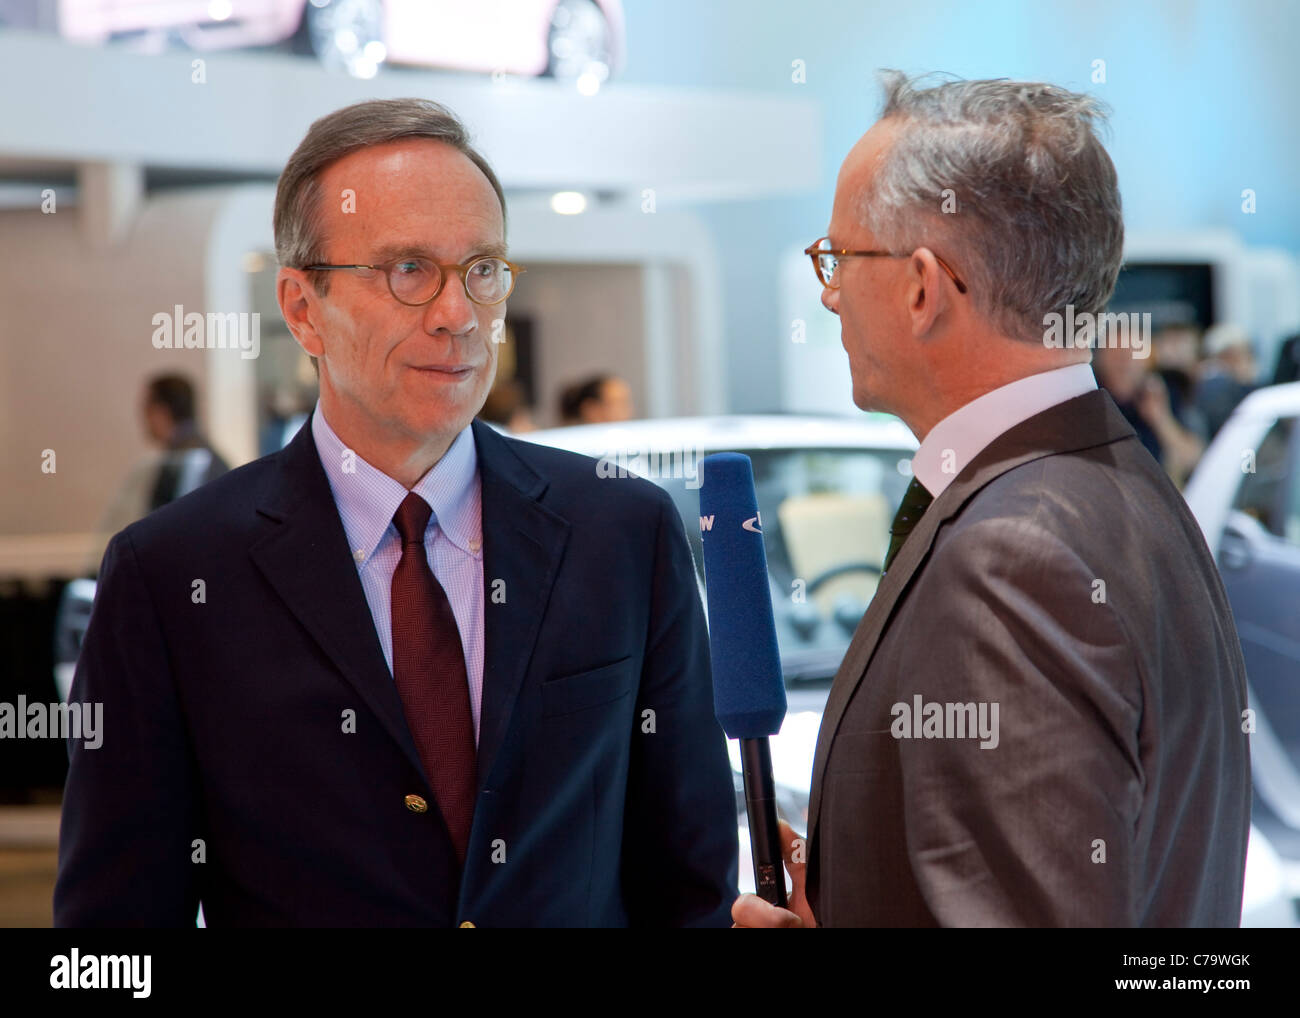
568	203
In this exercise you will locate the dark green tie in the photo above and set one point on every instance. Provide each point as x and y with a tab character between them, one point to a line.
916	500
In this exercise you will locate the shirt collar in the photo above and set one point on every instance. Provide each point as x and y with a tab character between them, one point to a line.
367	498
963	434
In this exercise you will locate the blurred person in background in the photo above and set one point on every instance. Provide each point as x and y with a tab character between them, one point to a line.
182	461
171	422
285	409
601	399
1175	348
1288	361
507	409
1143	398
1227	374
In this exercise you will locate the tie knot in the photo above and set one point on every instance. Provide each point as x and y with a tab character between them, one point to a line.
916	500
412	518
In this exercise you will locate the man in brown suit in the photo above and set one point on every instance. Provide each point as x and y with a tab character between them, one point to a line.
1039	721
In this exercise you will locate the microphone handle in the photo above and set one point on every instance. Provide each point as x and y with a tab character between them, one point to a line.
764	835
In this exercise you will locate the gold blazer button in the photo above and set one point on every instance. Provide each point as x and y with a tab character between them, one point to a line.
416	804
467	925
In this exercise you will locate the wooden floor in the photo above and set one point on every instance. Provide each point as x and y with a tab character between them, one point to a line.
29	838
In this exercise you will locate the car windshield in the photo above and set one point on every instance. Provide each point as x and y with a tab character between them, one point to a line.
826	516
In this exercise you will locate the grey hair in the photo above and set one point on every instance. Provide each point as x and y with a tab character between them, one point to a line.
1037	223
297	220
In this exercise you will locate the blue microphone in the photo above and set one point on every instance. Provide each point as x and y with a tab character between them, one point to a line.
748	685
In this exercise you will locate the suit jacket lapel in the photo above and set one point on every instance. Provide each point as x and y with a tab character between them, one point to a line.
523	543
307	560
307	555
1080	423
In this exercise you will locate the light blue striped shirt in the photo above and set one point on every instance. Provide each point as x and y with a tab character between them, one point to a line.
367	500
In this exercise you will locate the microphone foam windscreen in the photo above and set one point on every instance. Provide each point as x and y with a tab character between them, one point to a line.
748	686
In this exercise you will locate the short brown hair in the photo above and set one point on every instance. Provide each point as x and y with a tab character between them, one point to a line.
175	393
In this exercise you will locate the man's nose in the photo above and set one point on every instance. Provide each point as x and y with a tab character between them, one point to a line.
831	299
452	310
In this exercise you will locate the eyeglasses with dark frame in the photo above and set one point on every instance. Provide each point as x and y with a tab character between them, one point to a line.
425	278
826	261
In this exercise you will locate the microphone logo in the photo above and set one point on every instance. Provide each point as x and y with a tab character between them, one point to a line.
751	526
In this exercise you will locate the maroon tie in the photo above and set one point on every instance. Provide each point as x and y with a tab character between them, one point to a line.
429	669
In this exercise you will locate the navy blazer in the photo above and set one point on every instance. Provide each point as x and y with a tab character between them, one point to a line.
255	755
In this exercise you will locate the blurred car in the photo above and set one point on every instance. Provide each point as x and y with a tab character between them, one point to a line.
827	490
566	39
1245	493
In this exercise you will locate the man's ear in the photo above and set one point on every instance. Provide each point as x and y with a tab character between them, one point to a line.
296	296
927	297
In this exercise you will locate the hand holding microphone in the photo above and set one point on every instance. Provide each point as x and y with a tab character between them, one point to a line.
748	684
751	912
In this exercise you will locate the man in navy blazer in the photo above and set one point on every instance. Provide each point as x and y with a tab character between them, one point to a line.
256	754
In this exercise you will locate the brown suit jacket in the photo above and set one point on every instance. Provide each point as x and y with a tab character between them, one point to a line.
1062	578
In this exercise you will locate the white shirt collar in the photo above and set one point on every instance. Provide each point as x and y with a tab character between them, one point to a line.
964	433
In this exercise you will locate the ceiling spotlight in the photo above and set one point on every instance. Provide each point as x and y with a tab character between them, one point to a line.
568	203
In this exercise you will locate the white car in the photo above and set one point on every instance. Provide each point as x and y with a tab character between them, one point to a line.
827	491
1245	493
